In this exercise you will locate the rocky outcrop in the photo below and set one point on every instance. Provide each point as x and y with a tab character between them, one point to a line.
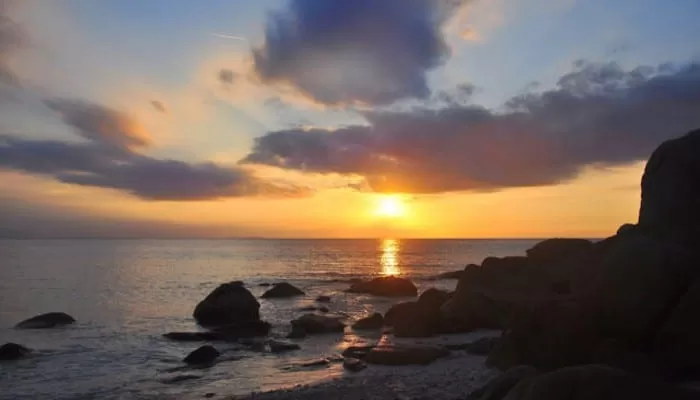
386	286
553	250
405	355
46	321
422	318
283	290
315	324
204	355
677	343
374	321
13	351
229	304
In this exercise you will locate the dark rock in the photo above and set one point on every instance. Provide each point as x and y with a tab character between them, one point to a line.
282	290
297	332
13	351
45	321
323	299
399	311
323	309
450	275
482	347
354	365
202	356
433	299
594	382
322	362
313	324
209	395
670	190
180	378
617	354
357	351
279	347
191	336
230	303
308	308
553	250
626	228
498	387
411	319
375	321
387	286
265	284
677	342
562	287
405	355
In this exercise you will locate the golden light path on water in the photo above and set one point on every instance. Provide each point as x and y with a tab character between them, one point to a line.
390	257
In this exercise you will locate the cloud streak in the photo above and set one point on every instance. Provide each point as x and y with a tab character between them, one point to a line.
361	51
598	114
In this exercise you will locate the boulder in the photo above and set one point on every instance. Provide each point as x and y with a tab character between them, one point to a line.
280	347
202	356
677	343
282	290
553	250
617	354
13	351
230	303
450	275
405	355
423	318
297	332
191	336
670	190
323	309
314	324
323	299
433	299
375	321
45	321
386	286
498	387
482	347
357	351
354	365
594	382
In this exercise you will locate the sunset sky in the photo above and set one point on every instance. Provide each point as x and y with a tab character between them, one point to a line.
337	118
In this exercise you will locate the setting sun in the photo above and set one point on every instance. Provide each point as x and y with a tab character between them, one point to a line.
391	206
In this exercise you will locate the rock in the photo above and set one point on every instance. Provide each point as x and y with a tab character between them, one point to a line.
45	321
180	378
617	354
450	275
359	352
386	286
594	382
308	308
375	321
13	351
223	333
670	190
265	284
433	299
553	250
191	336
626	228
482	347
279	347
209	395
405	355
282	290
202	356
297	332
322	362
314	324
677	342
323	299
423	318
399	311
323	309
354	365
498	387
230	303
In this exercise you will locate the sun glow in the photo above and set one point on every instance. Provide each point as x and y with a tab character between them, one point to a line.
390	207
390	257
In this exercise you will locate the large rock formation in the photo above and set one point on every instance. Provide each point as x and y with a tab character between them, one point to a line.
45	321
229	304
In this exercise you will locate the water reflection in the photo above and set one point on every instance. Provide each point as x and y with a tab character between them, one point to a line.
390	257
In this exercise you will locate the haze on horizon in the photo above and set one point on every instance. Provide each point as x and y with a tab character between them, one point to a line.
314	118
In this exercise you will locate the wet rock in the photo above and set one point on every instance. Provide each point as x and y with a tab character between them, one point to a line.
45	321
229	304
482	347
388	286
498	387
209	395
323	299
375	321
297	332
405	355
202	356
13	351
322	362
432	299
450	275
553	250
315	324
283	290
180	378
354	365
280	347
224	333
359	352
191	336
308	308
323	309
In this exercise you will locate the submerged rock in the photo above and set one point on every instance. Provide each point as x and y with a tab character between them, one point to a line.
314	324
202	356
375	321
354	365
191	336
230	303
45	321
283	290
387	286
280	347
323	299
405	355
13	351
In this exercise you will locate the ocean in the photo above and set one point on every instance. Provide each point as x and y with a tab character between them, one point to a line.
126	293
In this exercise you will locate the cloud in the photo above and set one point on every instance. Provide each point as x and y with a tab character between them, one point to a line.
598	114
12	37
360	51
159	106
226	76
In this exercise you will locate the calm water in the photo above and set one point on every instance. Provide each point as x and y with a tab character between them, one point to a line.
126	293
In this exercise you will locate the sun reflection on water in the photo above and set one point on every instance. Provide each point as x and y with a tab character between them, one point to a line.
390	257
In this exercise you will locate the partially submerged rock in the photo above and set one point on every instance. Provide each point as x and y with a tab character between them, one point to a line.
280	347
229	304
354	365
223	333
405	355
45	321
314	324
386	286
359	352
13	351
283	290
323	299
374	321
204	355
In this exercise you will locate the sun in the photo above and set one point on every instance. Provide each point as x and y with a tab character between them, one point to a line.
390	207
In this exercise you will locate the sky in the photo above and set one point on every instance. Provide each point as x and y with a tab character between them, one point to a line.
347	119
